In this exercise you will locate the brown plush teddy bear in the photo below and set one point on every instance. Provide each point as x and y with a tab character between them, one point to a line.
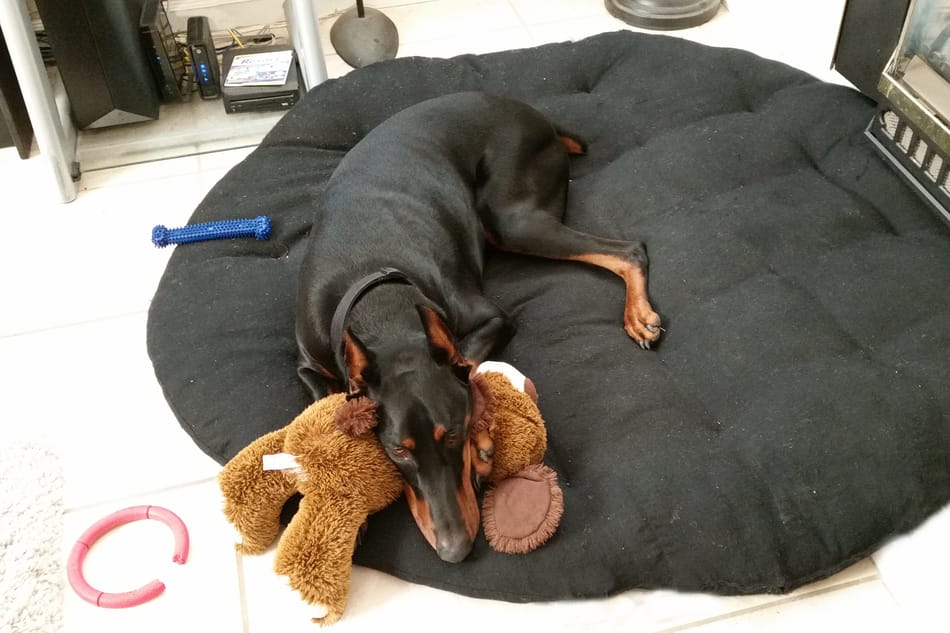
332	457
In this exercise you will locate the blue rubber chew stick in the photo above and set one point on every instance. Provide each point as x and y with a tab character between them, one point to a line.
258	227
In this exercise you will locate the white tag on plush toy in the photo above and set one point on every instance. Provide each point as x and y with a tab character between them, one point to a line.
280	461
514	376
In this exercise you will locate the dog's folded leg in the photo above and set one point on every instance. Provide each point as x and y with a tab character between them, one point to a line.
486	338
541	234
317	384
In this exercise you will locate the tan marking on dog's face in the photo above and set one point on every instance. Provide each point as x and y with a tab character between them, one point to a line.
420	512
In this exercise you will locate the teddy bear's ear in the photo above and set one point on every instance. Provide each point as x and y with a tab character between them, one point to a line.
531	390
356	417
522	512
483	403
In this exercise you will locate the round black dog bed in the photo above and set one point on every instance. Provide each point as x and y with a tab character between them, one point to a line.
795	414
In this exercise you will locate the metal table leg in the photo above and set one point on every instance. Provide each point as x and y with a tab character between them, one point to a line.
38	96
302	23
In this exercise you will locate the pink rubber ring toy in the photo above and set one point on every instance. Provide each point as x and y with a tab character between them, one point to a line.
102	526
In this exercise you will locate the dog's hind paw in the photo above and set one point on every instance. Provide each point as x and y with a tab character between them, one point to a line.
643	327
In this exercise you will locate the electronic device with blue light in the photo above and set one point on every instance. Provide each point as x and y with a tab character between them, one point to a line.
163	53
204	59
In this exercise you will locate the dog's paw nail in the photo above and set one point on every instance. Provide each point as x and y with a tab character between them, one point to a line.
485	455
653	328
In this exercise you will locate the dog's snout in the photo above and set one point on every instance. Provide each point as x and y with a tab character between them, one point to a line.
446	511
454	550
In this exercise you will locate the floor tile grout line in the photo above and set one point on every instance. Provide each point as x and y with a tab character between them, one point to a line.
441	55
887	586
72	324
127	498
771	604
409	3
195	154
242	591
545	22
521	19
333	15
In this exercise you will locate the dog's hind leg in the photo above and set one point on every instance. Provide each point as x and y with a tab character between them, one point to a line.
540	233
521	205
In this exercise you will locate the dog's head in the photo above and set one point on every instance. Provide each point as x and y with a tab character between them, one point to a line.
424	410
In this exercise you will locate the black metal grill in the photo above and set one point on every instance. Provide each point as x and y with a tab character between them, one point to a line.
922	164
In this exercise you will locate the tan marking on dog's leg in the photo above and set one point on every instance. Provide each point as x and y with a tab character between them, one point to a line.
640	321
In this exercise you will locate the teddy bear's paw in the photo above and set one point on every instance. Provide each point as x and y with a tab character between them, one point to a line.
331	617
293	599
327	616
329	601
482	453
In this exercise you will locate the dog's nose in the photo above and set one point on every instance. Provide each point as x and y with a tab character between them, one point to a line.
454	550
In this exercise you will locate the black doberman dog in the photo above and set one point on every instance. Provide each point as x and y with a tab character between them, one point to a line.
390	303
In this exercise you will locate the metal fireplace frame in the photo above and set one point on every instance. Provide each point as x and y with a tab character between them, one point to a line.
909	129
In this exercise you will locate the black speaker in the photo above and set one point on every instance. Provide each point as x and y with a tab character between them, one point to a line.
101	60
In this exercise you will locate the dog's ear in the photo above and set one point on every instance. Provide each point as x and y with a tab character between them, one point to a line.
360	365
441	342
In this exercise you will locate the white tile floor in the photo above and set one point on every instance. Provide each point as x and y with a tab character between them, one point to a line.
75	376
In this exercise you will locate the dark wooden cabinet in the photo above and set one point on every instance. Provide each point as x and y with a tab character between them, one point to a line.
869	33
15	128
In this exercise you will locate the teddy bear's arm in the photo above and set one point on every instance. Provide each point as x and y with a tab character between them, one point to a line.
253	497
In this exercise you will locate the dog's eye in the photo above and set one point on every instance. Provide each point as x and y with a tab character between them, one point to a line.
400	453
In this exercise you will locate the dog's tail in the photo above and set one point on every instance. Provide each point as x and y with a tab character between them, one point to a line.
574	145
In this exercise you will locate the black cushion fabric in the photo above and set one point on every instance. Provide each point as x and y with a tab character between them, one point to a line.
795	415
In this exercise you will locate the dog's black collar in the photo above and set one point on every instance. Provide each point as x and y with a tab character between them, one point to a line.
338	324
